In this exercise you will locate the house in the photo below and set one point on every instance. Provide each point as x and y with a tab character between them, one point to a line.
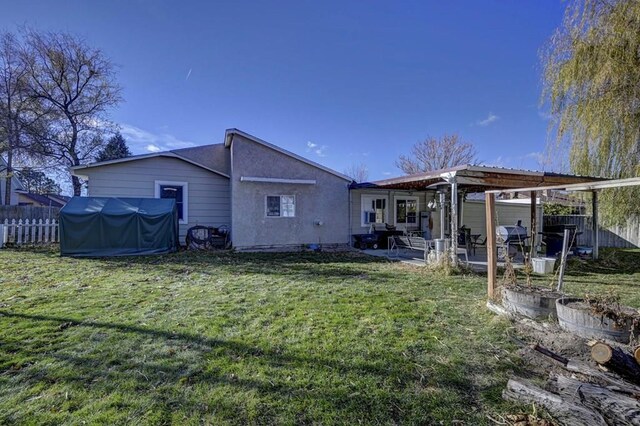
16	185
271	198
267	196
41	200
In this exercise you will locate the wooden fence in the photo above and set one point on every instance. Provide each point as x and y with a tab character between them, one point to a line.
28	212
27	232
627	236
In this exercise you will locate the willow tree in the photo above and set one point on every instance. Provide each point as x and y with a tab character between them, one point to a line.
592	84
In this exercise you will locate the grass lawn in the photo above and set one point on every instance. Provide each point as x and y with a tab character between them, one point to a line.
195	338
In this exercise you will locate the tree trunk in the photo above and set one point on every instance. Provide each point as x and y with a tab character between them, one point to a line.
565	410
8	180
616	360
77	185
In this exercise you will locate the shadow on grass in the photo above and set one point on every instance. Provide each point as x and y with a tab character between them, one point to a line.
275	357
168	380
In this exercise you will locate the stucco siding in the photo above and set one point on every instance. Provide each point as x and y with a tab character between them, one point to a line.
209	200
326	201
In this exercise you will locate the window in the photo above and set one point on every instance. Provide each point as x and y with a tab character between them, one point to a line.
374	210
281	206
178	191
407	210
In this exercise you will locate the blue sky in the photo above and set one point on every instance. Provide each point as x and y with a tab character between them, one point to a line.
338	82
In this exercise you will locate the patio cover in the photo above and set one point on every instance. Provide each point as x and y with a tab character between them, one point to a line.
477	179
101	226
470	178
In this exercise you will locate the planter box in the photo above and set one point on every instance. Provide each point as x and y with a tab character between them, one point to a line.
543	265
530	302
575	316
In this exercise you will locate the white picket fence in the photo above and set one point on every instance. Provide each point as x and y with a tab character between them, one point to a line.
26	232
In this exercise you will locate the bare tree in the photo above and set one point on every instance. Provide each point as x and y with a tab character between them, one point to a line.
435	154
357	172
77	83
19	112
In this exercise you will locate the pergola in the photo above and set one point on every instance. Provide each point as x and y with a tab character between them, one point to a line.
490	198
469	178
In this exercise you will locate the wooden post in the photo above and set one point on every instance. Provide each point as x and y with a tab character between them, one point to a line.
492	255
594	224
534	223
454	221
563	259
442	224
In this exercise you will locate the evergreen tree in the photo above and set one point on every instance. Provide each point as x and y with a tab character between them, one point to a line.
115	148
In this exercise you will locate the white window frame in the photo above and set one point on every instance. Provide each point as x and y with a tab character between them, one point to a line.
185	197
395	209
266	206
365	199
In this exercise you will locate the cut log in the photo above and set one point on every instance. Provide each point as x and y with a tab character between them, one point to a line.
636	354
616	360
610	381
565	410
601	352
617	409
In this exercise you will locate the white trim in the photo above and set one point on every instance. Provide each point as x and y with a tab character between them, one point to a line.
395	209
266	206
185	196
277	180
228	138
373	196
168	154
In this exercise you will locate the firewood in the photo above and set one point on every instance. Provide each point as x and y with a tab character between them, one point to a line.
636	354
615	408
616	360
610	381
566	410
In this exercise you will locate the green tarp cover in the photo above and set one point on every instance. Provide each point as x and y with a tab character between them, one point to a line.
101	226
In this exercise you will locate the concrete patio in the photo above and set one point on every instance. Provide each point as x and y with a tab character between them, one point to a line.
477	261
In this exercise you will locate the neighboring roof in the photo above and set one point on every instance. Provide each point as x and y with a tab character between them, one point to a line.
204	156
42	199
64	198
228	138
16	185
478	178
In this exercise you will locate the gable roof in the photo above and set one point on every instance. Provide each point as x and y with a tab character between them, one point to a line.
204	156
228	139
42	199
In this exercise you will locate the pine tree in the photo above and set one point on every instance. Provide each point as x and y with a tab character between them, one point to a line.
115	148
